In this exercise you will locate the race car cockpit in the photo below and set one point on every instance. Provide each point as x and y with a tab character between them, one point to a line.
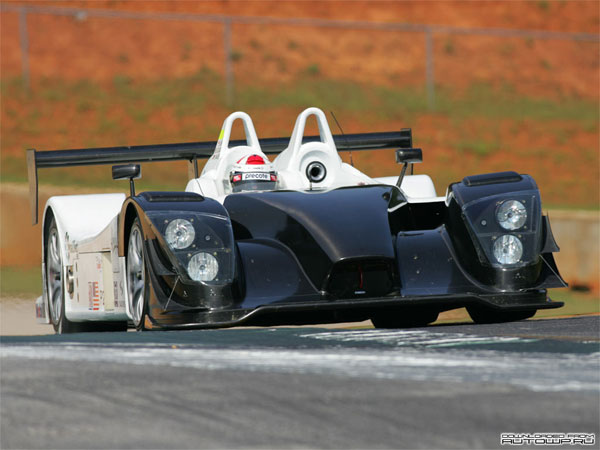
235	169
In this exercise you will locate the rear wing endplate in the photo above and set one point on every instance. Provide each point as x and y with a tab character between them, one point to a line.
188	151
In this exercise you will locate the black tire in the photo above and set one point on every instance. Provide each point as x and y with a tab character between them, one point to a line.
482	314
404	318
55	283
138	288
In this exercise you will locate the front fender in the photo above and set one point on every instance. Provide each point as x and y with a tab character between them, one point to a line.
171	285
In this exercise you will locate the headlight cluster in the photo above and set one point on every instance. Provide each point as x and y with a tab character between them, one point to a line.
508	248
202	266
201	243
506	229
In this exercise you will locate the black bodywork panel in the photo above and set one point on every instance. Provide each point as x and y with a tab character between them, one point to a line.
320	228
319	256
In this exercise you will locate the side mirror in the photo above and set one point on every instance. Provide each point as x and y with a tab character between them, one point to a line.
406	156
409	155
127	172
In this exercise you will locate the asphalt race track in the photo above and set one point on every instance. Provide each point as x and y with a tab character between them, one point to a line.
454	386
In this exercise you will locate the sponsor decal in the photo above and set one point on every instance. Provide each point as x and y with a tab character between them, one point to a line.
94	296
547	439
219	145
257	176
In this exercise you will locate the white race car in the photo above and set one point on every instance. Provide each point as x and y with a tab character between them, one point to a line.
306	238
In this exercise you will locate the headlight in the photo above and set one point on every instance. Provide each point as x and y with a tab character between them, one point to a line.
508	249
511	215
203	267
180	234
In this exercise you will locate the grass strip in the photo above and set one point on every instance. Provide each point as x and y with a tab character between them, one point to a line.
20	282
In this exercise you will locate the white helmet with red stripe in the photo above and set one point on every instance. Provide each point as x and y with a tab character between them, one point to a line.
253	173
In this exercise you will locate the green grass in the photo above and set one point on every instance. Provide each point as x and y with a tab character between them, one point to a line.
191	96
575	303
20	282
483	100
548	207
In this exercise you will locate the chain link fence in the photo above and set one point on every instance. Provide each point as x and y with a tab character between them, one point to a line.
221	31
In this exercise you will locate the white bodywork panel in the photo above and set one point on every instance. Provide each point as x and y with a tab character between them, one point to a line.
88	230
88	224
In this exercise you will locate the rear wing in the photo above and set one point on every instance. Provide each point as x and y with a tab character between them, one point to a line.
188	151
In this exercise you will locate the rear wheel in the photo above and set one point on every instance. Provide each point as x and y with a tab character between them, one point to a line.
484	314
54	283
404	318
56	296
137	279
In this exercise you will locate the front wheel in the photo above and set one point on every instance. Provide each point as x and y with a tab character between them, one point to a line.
137	277
483	314
404	318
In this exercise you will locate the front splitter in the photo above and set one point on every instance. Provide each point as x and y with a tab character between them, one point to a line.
357	309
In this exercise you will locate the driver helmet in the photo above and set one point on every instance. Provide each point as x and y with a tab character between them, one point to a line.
253	173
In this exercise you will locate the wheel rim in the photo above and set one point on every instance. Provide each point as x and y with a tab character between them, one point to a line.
54	277
135	276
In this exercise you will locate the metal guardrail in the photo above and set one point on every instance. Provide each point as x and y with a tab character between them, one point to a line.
227	21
